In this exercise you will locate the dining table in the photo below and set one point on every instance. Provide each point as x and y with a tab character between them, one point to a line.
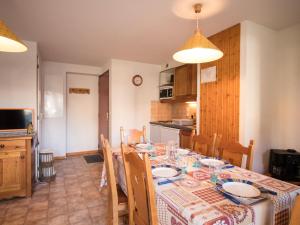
193	196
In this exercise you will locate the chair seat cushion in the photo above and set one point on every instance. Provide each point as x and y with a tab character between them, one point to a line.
122	198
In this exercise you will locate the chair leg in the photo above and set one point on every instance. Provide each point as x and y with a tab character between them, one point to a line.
124	220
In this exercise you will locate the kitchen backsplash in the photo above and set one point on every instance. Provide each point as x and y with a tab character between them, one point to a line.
160	111
167	111
183	110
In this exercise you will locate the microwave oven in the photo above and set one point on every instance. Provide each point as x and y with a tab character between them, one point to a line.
165	92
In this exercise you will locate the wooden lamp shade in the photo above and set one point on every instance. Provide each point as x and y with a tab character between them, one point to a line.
198	49
9	42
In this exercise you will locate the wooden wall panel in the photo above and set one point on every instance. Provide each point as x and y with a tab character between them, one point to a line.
220	100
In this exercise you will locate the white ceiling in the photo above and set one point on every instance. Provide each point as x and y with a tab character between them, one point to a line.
92	31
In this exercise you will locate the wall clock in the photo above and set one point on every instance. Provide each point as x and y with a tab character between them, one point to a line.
137	80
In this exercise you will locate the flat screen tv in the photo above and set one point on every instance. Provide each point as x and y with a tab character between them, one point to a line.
15	119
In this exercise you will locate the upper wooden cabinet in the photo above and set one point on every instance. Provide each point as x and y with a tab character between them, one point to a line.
185	85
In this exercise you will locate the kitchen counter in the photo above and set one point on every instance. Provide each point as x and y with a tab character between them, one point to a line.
172	125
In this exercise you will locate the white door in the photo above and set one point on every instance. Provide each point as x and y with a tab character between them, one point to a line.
82	113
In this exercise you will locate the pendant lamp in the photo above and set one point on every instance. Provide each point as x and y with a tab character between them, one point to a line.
198	49
9	42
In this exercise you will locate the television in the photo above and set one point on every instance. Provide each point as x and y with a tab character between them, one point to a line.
15	119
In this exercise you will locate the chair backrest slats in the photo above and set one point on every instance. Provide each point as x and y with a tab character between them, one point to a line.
141	199
205	145
234	152
111	183
134	136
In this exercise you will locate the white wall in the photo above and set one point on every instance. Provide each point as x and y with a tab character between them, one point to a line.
286	129
18	79
269	90
130	105
54	128
82	113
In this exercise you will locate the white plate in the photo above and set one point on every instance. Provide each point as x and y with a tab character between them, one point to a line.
143	146
164	172
212	162
182	151
241	189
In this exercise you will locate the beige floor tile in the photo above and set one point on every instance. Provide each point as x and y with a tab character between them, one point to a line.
57	211
73	198
19	221
79	216
59	220
41	205
35	215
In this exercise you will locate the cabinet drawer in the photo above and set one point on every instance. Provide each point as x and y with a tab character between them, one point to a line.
12	144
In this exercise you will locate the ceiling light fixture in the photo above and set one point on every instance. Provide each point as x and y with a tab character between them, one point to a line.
9	42
198	49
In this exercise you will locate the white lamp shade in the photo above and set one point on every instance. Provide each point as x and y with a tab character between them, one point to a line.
198	49
9	42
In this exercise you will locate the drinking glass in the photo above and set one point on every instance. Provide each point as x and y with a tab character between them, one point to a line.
182	163
214	171
171	150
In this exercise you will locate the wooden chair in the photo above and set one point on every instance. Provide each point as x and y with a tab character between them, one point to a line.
234	152
134	136
117	203
295	216
140	191
216	144
186	138
205	145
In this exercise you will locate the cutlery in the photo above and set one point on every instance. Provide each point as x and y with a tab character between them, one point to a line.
168	181
264	190
227	167
234	200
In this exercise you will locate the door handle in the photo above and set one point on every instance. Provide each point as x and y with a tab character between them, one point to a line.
22	157
107	115
2	146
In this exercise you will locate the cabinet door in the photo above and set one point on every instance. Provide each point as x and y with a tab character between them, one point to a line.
182	80
12	171
185	80
155	133
194	79
169	134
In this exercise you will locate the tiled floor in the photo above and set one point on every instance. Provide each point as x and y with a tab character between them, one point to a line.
73	198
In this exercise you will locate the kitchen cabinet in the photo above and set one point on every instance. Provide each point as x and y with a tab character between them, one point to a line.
169	134
155	133
161	134
16	167
185	85
12	172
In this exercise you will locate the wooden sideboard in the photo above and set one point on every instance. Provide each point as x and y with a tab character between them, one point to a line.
17	166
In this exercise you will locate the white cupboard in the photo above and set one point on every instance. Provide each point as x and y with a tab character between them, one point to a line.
162	134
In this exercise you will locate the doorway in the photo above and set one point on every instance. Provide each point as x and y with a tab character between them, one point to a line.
82	113
103	88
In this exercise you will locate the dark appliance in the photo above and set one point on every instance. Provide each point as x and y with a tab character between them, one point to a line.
285	164
15	119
